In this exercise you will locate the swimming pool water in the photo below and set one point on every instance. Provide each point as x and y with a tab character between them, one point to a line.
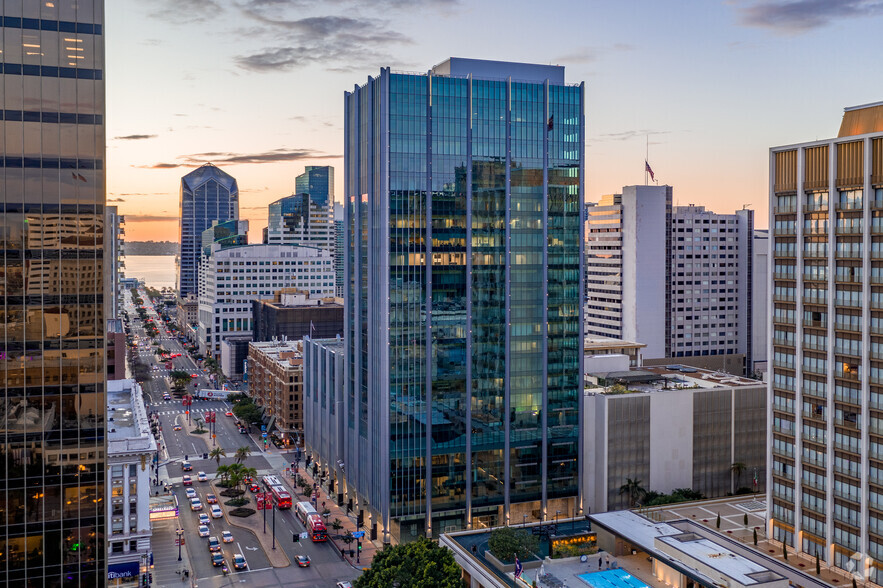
612	579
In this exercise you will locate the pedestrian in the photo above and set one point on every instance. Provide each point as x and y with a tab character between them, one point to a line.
607	561
599	563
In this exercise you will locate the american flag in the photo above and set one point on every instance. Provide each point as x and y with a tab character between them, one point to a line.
649	170
518	567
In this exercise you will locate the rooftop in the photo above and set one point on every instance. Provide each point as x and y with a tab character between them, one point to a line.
207	172
500	70
595	343
664	378
128	428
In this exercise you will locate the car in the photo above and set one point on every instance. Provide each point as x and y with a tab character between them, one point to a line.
254	488
228	413
177	427
239	562
187	481
203	519
227	537
216	511
191	493
164	396
195	504
303	561
203	530
201	477
194	375
214	544
218	559
248	480
242	431
185	466
211	498
343	585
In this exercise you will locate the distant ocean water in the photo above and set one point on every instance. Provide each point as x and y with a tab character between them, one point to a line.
157	271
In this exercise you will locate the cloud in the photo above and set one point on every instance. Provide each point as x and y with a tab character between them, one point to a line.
134	137
222	158
626	135
799	16
342	42
149	218
186	11
582	55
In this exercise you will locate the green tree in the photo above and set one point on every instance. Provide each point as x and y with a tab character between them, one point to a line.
216	454
718	522
242	454
507	542
308	490
248	412
223	472
634	490
336	525
755	537
419	564
198	422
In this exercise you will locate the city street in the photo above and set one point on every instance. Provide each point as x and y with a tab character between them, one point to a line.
327	567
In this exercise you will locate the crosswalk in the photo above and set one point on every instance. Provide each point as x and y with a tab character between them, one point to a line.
192	411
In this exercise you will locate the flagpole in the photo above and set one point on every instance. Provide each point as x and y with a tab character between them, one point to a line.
646	158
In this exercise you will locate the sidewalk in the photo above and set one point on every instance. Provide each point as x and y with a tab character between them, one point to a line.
167	569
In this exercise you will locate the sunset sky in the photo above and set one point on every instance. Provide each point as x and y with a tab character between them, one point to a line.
257	86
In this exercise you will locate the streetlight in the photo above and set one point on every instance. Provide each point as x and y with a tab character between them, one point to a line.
557	512
524	522
274	525
180	533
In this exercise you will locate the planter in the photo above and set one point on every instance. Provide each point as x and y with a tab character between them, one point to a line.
510	568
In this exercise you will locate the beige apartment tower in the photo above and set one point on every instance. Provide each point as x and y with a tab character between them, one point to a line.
826	346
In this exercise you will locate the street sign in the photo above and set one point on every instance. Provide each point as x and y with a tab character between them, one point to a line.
264	435
359	534
303	535
177	542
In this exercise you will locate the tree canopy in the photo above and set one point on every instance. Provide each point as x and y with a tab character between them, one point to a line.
419	564
507	542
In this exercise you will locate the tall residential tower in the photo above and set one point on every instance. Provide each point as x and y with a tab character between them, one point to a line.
826	344
52	295
463	321
207	194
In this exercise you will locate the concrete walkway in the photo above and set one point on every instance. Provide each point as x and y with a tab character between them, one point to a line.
165	551
254	524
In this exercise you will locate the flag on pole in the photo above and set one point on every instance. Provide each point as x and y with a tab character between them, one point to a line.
518	567
649	170
755	477
312	328
551	124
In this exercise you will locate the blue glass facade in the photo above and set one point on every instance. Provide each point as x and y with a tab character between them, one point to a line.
318	182
53	491
463	264
207	194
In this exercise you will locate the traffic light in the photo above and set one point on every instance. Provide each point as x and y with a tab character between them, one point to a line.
359	545
295	537
150	578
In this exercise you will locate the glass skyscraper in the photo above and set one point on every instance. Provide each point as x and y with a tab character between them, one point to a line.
207	194
463	192
318	182
52	294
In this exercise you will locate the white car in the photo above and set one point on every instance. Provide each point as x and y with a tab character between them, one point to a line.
217	512
191	493
203	531
227	537
203	519
195	504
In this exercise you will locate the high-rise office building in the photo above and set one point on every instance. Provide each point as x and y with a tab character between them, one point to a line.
207	194
52	294
826	345
676	278
300	220
318	182
339	242
462	314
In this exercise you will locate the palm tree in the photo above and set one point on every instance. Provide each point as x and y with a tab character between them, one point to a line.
236	479
633	489
737	469
250	473
198	423
242	453
223	472
217	453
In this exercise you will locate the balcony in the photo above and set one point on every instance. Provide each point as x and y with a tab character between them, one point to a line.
820	462
783	430
815	299
848	205
785	231
846	446
785	209
813	483
783	452
780	297
854	472
783	342
785	276
850	327
816	416
849	229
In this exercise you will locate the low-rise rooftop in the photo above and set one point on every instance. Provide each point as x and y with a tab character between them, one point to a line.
128	428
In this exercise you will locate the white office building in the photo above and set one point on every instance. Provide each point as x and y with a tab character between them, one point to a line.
678	279
130	452
231	277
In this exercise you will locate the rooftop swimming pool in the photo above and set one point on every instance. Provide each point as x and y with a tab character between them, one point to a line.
612	579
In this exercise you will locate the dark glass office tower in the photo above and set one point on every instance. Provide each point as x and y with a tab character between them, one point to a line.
318	182
207	194
463	316
52	323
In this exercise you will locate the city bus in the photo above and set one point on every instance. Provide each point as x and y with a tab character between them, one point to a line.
281	496
316	528
305	509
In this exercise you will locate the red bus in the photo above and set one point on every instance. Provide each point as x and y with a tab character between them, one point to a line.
316	528
281	496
